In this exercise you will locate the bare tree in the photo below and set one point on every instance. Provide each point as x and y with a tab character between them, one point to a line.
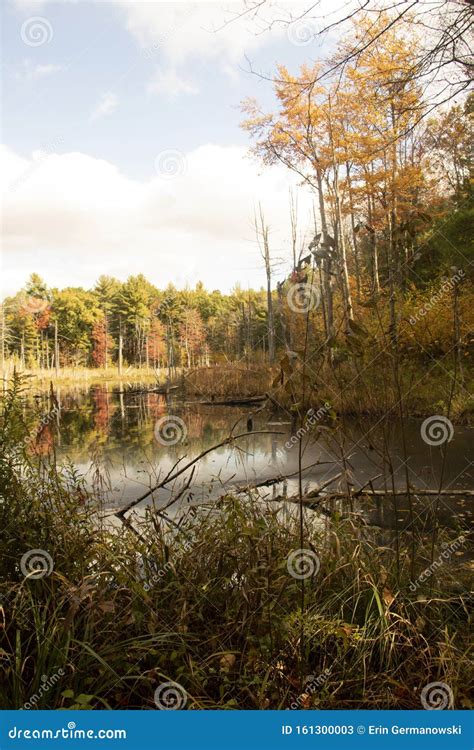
262	231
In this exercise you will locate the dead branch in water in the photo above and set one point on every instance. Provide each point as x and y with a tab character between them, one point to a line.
235	401
171	477
282	477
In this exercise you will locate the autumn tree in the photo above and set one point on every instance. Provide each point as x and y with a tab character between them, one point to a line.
156	344
296	136
102	344
192	336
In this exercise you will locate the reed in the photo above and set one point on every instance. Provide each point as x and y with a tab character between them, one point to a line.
212	607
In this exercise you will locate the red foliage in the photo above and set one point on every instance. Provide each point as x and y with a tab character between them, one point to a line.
156	343
102	343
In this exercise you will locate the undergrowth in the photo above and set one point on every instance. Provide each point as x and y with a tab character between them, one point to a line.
211	604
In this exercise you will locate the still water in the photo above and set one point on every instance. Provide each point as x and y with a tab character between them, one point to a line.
117	437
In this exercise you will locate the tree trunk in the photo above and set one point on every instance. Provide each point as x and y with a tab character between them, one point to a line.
354	234
120	347
326	265
340	241
56	349
262	236
373	244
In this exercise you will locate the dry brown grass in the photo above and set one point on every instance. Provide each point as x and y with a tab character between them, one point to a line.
228	381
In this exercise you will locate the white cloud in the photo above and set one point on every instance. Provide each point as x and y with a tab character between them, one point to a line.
181	33
73	217
31	72
186	30
170	83
107	104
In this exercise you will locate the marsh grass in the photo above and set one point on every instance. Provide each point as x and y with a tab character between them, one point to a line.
228	381
212	606
366	391
86	376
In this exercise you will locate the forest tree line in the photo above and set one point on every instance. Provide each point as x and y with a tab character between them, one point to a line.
393	209
130	323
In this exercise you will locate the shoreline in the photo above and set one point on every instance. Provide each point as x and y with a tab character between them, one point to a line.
214	386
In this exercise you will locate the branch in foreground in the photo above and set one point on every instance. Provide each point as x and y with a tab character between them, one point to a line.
171	477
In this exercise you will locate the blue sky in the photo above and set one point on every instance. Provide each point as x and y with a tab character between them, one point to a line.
93	93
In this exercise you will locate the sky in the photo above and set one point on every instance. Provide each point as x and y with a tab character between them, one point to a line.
121	147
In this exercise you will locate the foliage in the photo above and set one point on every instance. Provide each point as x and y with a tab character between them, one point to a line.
211	607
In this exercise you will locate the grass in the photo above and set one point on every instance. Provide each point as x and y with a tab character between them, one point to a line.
89	376
228	381
212	607
368	390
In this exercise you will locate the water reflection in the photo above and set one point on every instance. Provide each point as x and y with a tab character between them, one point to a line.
108	433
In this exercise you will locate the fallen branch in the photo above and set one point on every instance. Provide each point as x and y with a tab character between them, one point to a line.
171	477
281	478
235	401
396	493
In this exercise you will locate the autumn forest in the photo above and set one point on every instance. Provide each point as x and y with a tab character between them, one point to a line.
257	496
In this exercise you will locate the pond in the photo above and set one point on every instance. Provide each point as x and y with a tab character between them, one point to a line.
118	437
